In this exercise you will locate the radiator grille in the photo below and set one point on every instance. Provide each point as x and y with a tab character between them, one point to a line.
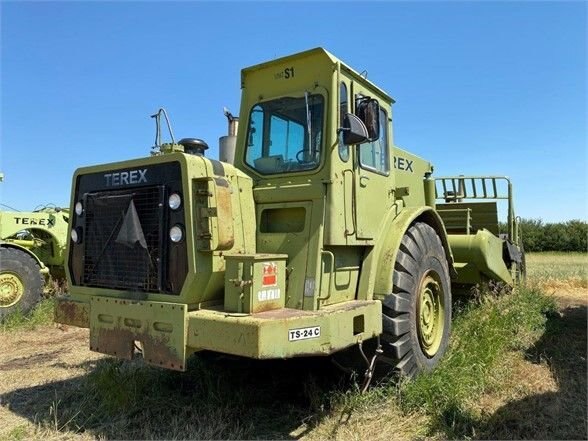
124	237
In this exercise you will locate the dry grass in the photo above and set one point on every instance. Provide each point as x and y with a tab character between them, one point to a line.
29	359
53	388
377	422
558	271
55	286
541	393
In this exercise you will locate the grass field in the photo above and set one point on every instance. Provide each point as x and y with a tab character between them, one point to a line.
516	369
558	270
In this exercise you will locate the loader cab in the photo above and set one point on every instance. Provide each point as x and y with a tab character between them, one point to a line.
309	119
316	140
294	109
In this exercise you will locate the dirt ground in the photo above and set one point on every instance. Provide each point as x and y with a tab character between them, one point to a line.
33	358
51	355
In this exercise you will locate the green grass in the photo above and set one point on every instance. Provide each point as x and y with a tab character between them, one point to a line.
18	433
482	336
483	333
41	315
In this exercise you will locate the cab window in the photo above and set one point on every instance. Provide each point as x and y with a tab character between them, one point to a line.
285	134
343	106
373	156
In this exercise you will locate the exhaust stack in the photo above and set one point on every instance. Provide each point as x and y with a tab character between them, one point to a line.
227	144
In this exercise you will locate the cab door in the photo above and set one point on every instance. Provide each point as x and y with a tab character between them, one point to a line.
373	183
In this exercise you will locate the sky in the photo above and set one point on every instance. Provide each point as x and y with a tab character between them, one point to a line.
480	87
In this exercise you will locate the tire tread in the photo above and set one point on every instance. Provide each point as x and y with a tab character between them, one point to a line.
420	242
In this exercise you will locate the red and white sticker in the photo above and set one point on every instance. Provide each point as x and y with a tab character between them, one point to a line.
270	274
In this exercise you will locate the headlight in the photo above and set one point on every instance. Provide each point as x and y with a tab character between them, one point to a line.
176	233
76	235
174	201
79	208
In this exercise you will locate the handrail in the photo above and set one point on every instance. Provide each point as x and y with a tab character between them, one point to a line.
455	188
331	275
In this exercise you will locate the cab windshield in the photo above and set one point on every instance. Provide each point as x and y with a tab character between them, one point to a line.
285	134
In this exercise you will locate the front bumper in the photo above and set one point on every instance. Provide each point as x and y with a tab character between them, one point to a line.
168	332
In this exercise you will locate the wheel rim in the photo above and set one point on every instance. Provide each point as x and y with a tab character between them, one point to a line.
11	289
431	317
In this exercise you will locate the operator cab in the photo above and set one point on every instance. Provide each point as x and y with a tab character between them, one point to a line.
290	108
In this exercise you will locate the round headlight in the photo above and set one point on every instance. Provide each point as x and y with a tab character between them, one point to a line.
176	233
79	208
174	201
76	235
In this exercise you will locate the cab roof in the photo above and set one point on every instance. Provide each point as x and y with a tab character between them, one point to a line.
318	52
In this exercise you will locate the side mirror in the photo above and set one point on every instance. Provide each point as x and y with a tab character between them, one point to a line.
368	110
354	130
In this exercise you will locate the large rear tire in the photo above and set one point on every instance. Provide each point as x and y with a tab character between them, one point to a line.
416	316
21	282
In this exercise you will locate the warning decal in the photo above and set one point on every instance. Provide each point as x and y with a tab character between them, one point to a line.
270	274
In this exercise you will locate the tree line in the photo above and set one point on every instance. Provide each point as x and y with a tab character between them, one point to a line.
561	236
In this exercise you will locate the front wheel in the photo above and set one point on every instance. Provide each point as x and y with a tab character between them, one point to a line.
416	316
21	283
